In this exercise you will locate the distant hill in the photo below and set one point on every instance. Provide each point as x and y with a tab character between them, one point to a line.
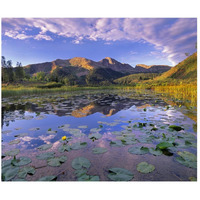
82	71
135	78
187	69
141	68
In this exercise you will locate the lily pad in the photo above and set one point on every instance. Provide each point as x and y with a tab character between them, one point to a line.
7	131
14	142
64	147
9	172
95	136
12	152
116	133
78	145
188	159
45	156
26	170
21	161
21	135
51	132
120	174
94	130
117	143
138	150
45	146
99	150
34	129
145	168
80	172
87	177
155	152
164	145
176	128
48	178
81	162
83	126
57	161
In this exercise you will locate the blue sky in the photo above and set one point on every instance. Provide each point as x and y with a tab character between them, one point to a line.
128	40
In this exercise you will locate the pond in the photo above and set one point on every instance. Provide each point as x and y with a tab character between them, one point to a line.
111	135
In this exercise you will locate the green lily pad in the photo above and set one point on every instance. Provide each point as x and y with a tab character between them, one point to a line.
64	147
120	174
7	131
48	178
87	177
188	159
34	129
155	152
99	150
51	132
45	146
94	130
176	128
78	145
116	133
145	168
14	142
95	136
164	145
26	170
81	162
12	152
21	135
117	143
83	126
21	161
57	161
9	172
80	172
138	150
45	156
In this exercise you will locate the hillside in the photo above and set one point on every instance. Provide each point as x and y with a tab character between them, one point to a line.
135	78
187	69
141	68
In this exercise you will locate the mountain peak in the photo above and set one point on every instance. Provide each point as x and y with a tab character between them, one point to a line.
110	60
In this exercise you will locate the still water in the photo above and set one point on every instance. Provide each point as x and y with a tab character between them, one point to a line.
108	133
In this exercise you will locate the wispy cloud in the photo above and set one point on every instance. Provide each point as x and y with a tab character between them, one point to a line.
172	37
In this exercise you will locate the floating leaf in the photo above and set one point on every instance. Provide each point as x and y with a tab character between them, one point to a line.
83	126
14	142
120	174
80	172
78	145
188	159
64	147
116	133
48	178
164	145
155	152
9	172
99	150
26	170
57	161
116	143
12	152
18	128
145	168
176	128
34	129
95	130
81	162
21	135
7	131
45	156
138	150
45	146
51	132
21	161
87	177
95	136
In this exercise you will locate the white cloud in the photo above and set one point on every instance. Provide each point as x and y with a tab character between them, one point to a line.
172	37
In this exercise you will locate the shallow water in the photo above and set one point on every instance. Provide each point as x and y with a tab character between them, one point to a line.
114	118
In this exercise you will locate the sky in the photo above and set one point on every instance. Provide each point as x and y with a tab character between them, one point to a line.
129	40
